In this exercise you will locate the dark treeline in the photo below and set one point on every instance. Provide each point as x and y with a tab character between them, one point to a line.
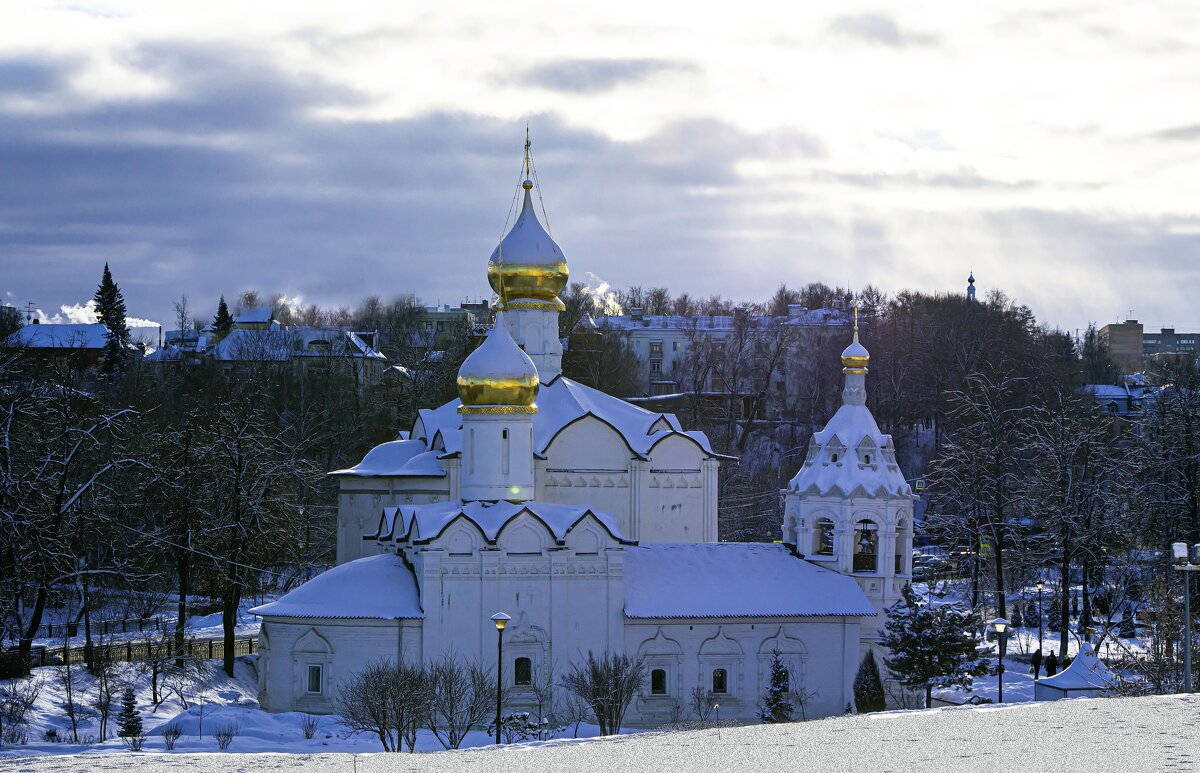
207	481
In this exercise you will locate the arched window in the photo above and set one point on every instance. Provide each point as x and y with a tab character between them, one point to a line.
523	672
658	682
901	541
823	537
866	546
720	681
866	458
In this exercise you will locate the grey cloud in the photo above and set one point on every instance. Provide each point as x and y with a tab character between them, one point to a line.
231	181
880	30
1184	133
589	76
19	76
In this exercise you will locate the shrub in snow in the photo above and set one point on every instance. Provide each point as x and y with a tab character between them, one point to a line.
868	686
387	699
225	734
129	722
16	698
462	695
171	733
777	704
607	684
932	646
309	725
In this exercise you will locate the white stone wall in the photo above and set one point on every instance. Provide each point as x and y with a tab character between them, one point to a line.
361	502
287	646
821	654
497	457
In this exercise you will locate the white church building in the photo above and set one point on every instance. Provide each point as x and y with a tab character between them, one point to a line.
593	524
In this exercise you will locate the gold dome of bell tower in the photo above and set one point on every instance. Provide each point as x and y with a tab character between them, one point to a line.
528	266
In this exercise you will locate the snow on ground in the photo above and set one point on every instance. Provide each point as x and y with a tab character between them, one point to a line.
220	702
1117	734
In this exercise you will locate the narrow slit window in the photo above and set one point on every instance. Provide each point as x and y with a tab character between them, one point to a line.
523	672
720	681
314	679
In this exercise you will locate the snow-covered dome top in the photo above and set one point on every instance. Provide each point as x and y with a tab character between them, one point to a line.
498	374
850	456
528	264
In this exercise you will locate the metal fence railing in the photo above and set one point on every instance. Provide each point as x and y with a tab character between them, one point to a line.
130	651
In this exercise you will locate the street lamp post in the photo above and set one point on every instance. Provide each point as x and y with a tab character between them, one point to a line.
1001	626
1040	586
1185	563
501	620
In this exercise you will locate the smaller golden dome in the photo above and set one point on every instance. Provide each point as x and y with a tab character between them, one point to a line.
498	376
528	263
855	356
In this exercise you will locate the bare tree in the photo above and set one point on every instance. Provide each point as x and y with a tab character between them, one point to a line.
607	683
462	696
388	699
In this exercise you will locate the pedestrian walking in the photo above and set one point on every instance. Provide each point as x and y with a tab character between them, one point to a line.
1037	663
1051	664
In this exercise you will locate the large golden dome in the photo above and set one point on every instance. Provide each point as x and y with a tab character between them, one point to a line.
498	377
527	264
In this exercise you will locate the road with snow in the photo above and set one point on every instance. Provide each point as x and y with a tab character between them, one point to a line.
1127	735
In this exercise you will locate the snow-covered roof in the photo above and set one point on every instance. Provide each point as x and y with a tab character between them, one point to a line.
376	587
283	343
257	345
1086	672
733	579
421	523
723	322
397	457
60	336
560	403
256	314
852	428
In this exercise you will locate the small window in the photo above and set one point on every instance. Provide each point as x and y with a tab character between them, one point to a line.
523	672
314	679
866	458
720	681
658	682
504	434
441	327
833	458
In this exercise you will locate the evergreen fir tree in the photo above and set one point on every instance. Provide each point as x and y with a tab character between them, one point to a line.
223	322
110	311
932	646
129	722
868	686
776	704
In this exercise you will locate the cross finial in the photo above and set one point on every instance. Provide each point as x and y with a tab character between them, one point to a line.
528	144
856	320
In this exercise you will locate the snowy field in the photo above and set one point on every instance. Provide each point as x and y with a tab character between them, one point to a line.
1127	734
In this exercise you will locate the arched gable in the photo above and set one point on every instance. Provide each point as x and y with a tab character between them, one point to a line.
314	643
720	644
677	450
461	538
524	534
785	644
660	645
589	442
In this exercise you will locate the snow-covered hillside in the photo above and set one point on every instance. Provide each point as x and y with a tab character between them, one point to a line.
1120	734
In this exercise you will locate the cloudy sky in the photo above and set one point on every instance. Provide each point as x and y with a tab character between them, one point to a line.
335	150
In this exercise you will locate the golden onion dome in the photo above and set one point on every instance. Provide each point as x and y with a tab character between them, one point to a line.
498	375
528	264
855	356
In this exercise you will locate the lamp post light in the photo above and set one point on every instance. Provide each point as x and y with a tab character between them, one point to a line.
1186	563
1040	587
1001	627
501	620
